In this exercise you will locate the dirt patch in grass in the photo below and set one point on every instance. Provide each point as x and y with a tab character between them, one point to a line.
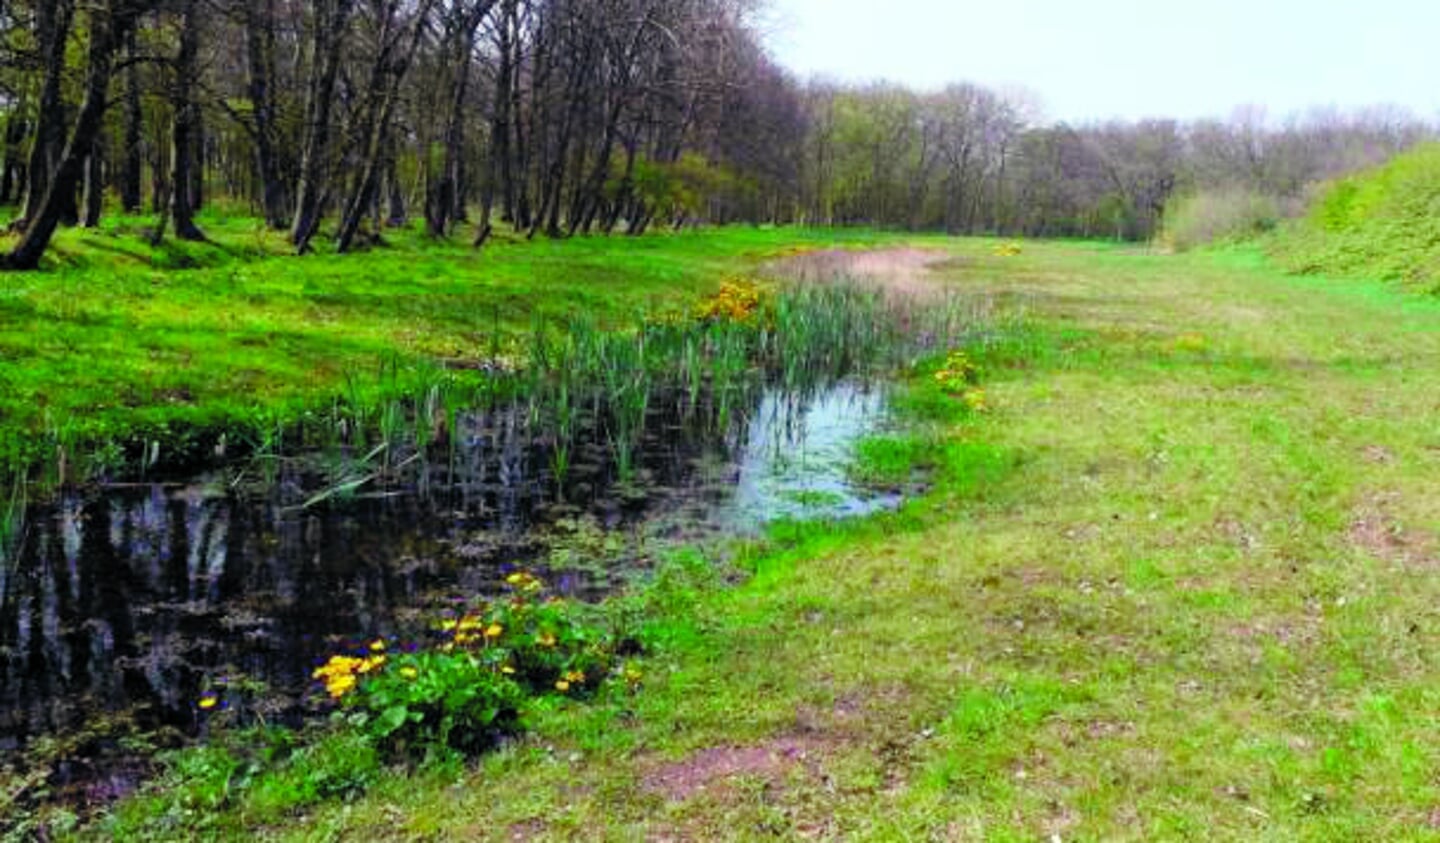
1375	530
528	830
906	271
771	761
1379	455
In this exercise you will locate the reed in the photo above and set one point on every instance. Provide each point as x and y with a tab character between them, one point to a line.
391	425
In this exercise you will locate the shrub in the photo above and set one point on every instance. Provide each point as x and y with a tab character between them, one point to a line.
435	705
1220	216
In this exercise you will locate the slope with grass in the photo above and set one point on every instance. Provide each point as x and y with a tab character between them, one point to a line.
1179	583
1383	223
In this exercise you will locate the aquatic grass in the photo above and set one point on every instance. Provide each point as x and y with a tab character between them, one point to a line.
390	425
109	350
12	524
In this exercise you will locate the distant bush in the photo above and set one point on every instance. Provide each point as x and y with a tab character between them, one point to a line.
1382	223
1220	216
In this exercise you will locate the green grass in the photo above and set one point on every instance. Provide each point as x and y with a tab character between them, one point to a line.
118	345
1383	224
1179	583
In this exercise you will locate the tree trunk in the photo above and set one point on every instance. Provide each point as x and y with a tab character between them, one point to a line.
133	168
184	128
94	188
446	204
501	158
108	25
199	159
397	216
260	49
330	25
11	178
390	68
52	28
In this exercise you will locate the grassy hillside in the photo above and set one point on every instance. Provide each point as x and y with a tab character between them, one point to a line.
1382	223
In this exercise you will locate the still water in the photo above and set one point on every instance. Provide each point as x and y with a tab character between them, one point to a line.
132	600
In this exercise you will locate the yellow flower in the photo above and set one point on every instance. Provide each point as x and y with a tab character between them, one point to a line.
495	630
410	673
562	686
524	581
508	670
575	676
546	639
340	686
338	666
377	646
208	702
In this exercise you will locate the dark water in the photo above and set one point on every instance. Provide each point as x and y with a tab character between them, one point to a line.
136	599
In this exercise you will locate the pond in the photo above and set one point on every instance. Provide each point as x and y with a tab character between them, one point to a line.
134	599
122	606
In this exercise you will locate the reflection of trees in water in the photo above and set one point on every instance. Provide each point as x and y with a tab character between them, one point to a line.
131	597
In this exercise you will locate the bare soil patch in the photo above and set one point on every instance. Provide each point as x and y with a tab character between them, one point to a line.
771	761
906	271
1376	531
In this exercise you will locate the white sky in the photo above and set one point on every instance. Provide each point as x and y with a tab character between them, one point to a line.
1095	59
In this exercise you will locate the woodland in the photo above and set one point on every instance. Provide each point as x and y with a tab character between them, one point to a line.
338	119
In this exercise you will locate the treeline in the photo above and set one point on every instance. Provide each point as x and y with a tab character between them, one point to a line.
969	160
340	118
555	116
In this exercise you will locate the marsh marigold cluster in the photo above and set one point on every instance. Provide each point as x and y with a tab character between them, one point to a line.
471	684
737	301
342	674
958	374
960	377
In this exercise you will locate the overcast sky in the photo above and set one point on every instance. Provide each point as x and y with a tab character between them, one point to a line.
1094	59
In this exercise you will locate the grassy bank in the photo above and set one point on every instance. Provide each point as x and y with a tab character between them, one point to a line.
1379	224
119	345
1177	584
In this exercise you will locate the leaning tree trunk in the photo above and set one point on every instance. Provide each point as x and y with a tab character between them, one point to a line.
311	191
108	26
389	70
52	29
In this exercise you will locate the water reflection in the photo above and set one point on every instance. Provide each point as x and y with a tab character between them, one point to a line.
132	599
